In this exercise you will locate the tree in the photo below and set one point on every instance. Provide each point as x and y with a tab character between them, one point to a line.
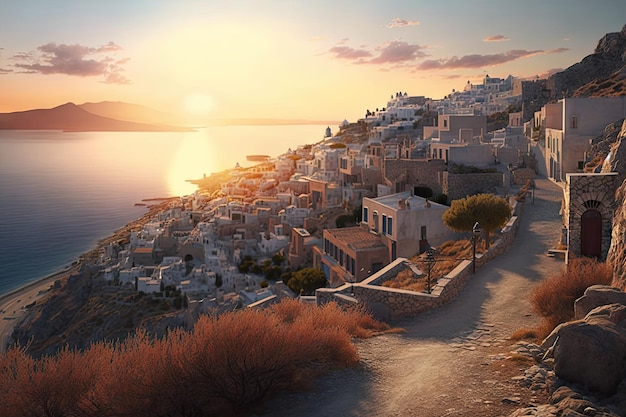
306	281
489	211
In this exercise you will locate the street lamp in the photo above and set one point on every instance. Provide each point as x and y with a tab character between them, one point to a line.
431	260
476	231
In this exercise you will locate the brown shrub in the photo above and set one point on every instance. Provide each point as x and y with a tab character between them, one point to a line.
524	334
553	299
226	365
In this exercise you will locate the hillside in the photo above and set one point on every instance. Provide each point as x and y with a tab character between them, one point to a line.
602	68
70	117
129	112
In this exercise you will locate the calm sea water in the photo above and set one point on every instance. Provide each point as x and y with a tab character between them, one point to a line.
62	192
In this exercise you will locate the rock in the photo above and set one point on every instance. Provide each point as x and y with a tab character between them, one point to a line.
615	313
617	251
591	354
595	296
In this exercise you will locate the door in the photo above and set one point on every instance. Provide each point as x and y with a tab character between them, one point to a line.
591	234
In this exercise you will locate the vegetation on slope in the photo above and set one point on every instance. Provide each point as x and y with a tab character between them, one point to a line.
553	299
226	366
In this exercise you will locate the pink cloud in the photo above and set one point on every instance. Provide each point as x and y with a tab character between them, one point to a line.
394	52
398	51
480	61
75	60
496	38
400	23
346	52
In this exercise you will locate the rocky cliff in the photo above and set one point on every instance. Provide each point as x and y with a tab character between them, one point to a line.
616	162
597	74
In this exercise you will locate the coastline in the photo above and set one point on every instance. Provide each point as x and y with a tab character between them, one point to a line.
13	304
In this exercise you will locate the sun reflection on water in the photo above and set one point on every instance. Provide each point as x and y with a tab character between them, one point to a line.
191	159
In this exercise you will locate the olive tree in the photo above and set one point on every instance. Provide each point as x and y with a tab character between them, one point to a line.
306	281
489	211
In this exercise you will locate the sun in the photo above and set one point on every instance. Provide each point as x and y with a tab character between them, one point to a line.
199	104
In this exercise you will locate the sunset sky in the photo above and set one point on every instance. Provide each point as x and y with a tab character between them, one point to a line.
316	60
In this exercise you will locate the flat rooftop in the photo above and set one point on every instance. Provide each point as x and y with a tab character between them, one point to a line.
355	237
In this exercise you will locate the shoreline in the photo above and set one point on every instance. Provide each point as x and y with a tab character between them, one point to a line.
13	305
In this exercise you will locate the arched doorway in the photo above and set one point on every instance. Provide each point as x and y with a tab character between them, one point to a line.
591	233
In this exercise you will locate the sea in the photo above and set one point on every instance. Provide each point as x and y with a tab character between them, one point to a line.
61	192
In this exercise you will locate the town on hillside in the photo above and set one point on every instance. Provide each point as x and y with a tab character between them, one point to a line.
358	200
341	218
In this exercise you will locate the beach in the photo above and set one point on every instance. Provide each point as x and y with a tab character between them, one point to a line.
13	305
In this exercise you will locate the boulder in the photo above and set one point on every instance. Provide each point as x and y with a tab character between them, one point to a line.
595	296
591	352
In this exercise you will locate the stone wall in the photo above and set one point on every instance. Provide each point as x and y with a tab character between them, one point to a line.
409	173
522	175
391	304
457	186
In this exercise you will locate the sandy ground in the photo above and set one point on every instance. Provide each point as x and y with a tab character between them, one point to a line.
449	361
13	305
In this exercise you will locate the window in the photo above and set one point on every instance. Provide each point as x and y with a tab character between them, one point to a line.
341	257
390	226
581	164
365	214
384	224
423	232
326	246
574	122
445	122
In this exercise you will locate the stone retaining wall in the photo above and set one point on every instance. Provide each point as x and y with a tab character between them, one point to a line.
392	304
457	186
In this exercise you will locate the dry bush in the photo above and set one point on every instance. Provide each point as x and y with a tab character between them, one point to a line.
525	334
553	299
226	366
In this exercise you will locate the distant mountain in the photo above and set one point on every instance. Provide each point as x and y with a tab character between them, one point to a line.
600	74
70	117
129	112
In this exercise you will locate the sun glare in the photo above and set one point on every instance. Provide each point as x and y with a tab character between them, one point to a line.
191	160
199	104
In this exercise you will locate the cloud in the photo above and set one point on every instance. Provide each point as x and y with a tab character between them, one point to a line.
398	51
346	52
5	71
400	23
557	51
74	60
480	61
394	52
496	38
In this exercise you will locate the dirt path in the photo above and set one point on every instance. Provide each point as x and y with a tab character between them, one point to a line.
449	362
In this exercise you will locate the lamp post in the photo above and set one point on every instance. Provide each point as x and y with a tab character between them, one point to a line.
476	231
431	260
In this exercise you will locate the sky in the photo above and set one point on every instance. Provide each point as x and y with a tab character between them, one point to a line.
313	60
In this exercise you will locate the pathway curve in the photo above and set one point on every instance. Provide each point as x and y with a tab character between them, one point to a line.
447	362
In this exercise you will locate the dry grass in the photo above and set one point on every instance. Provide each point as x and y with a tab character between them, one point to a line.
226	366
449	255
525	333
553	299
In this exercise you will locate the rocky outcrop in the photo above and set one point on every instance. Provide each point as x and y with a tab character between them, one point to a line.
592	351
596	296
608	58
601	146
617	252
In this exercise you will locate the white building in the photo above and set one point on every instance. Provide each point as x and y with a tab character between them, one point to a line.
405	222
